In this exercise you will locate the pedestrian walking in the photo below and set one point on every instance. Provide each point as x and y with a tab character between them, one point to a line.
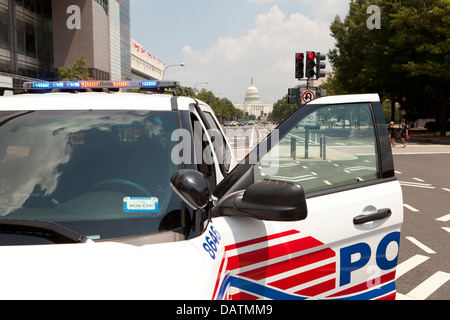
404	133
392	133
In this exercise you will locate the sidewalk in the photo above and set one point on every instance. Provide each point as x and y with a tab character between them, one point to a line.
430	138
421	143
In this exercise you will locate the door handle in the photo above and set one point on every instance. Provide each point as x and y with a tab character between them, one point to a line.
364	218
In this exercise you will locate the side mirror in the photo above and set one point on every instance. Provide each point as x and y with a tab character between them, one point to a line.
270	200
192	187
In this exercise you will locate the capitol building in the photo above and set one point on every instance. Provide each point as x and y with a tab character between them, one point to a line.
252	103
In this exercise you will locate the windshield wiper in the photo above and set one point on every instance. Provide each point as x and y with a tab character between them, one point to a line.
51	231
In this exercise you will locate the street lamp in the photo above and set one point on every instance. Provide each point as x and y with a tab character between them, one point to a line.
172	65
206	82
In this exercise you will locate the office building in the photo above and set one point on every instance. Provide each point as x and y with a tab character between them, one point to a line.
37	37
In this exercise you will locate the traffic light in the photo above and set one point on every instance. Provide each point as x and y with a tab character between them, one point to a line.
320	65
310	64
294	96
299	65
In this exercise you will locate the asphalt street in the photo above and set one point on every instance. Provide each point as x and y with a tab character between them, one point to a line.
423	272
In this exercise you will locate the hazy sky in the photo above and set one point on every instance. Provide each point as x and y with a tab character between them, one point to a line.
229	42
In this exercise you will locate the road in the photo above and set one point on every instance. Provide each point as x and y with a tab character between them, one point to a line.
245	138
424	261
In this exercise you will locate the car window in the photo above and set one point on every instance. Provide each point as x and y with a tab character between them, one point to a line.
203	151
221	149
104	174
332	146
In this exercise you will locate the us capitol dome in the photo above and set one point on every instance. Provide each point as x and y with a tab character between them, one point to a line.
252	103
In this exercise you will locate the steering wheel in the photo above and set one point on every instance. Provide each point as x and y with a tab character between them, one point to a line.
120	182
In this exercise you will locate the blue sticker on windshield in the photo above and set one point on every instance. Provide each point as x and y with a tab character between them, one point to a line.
141	204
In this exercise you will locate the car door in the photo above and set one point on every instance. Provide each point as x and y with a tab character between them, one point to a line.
346	245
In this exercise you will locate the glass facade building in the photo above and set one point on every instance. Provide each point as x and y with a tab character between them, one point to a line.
35	38
125	36
26	47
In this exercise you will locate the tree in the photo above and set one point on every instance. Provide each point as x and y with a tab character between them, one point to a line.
223	108
405	61
282	109
421	29
78	71
362	56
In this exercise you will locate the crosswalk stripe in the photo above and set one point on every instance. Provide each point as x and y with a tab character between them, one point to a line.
421	245
444	218
426	288
400	296
446	229
407	206
410	264
416	185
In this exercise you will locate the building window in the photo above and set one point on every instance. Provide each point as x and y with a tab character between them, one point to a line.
4	38
104	4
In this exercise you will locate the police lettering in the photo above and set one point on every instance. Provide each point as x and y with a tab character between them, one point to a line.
357	256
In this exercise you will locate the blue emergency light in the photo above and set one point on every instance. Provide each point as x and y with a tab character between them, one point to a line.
41	85
149	84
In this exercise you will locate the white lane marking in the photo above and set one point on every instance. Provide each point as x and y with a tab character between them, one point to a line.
446	229
416	185
410	264
444	218
400	296
407	206
421	245
426	288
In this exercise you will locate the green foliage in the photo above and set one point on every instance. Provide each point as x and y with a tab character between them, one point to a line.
78	71
422	29
223	108
281	110
407	60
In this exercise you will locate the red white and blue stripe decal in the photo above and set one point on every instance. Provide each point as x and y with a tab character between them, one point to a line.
289	266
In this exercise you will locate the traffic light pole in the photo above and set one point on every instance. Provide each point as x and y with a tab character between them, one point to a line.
307	66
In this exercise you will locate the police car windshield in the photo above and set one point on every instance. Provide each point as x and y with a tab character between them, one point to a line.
104	174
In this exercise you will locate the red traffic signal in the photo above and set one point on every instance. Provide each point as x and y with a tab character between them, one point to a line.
299	65
310	64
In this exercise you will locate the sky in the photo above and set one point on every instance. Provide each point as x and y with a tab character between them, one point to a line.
227	43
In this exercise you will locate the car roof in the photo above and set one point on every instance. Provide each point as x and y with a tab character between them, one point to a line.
95	101
349	98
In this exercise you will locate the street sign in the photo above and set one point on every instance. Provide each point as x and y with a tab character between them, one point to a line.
308	96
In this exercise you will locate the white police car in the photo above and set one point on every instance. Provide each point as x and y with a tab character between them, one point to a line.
87	211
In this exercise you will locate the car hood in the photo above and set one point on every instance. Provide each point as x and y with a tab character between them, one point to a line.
101	271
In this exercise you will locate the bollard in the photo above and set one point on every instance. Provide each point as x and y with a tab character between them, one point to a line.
306	142
321	147
293	148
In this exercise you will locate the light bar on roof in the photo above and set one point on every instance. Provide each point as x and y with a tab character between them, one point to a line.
149	85
41	85
90	84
